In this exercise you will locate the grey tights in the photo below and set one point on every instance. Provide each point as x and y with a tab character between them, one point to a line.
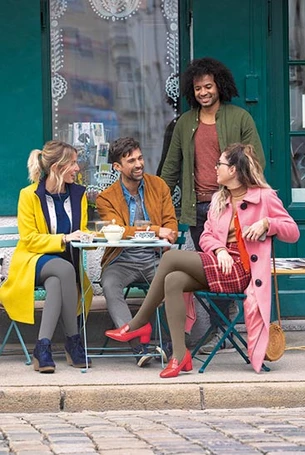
178	272
59	279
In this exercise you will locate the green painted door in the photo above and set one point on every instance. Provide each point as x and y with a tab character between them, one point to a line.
21	117
233	32
250	37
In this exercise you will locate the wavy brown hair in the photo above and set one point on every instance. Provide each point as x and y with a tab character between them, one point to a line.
124	146
249	173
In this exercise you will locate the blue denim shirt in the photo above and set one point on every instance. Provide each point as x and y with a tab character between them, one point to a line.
131	203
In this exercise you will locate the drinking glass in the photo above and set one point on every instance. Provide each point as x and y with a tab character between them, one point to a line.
99	225
142	225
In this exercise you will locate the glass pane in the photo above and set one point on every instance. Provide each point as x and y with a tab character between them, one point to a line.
298	168
296	29
114	63
297	97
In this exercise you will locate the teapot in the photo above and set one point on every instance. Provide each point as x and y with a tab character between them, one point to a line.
113	232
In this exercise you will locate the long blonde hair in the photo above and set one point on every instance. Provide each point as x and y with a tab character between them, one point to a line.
50	161
249	173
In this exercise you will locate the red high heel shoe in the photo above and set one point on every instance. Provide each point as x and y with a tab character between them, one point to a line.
123	334
173	368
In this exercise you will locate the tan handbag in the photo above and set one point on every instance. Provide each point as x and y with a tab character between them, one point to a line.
277	341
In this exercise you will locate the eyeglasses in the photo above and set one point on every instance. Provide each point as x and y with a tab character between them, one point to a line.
219	163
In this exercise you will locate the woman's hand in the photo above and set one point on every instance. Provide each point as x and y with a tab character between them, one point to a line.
225	261
256	230
73	236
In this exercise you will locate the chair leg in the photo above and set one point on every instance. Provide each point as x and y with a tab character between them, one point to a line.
158	331
14	326
226	326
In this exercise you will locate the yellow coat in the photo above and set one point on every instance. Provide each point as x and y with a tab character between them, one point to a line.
17	293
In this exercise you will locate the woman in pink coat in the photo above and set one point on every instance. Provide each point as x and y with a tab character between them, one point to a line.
236	243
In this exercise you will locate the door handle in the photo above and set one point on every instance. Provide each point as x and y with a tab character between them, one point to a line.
251	88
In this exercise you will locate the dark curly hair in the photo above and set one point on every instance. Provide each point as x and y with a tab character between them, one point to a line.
122	147
201	67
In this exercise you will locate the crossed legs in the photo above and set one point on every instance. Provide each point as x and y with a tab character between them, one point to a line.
178	272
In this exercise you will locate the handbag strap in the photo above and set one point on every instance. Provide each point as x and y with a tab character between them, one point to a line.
276	289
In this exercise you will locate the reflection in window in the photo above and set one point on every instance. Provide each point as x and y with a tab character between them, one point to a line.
114	62
298	161
297	96
296	29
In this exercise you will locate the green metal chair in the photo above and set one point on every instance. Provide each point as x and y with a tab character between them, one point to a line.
39	293
227	327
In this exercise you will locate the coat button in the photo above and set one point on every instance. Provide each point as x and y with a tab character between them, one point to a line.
243	206
254	258
258	283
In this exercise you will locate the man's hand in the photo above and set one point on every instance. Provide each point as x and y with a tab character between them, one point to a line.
168	234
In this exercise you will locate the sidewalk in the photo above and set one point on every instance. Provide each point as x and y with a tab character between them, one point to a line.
118	384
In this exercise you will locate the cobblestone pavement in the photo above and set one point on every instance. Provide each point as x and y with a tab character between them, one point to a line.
212	432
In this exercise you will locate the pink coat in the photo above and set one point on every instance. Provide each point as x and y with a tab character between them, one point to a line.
258	203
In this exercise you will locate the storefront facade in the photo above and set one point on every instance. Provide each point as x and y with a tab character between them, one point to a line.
71	65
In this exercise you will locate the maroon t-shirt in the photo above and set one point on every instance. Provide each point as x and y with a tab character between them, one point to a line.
207	153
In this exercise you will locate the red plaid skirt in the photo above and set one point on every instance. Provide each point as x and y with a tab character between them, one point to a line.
236	282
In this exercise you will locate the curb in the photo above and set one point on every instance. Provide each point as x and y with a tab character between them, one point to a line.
151	397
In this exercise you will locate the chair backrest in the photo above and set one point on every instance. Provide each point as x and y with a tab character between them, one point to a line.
39	293
181	239
6	243
5	231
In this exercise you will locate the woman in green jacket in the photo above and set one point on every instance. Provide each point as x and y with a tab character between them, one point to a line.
52	212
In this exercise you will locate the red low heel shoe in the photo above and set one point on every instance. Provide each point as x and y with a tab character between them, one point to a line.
123	334
173	368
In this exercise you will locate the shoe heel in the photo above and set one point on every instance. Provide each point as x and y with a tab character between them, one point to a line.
68	358
145	339
188	366
35	364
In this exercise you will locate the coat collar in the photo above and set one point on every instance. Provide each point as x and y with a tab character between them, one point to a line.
76	193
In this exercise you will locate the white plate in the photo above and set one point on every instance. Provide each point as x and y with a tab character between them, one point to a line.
145	240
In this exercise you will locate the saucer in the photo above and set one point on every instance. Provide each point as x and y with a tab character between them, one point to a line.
137	240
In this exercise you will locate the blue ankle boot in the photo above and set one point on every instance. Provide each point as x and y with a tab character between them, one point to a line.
42	357
75	352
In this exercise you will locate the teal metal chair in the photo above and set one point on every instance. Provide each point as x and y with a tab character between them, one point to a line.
39	294
227	327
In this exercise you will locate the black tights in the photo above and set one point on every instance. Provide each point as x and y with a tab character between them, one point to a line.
178	272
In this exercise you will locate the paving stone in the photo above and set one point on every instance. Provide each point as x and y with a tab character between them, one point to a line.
220	432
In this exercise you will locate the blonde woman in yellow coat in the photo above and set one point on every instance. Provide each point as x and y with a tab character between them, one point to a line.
52	212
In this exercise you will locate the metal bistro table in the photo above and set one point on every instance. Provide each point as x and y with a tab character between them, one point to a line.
101	242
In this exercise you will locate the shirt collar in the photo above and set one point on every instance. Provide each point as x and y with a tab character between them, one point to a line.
127	194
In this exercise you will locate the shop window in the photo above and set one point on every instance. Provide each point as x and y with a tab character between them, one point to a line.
296	66
114	66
